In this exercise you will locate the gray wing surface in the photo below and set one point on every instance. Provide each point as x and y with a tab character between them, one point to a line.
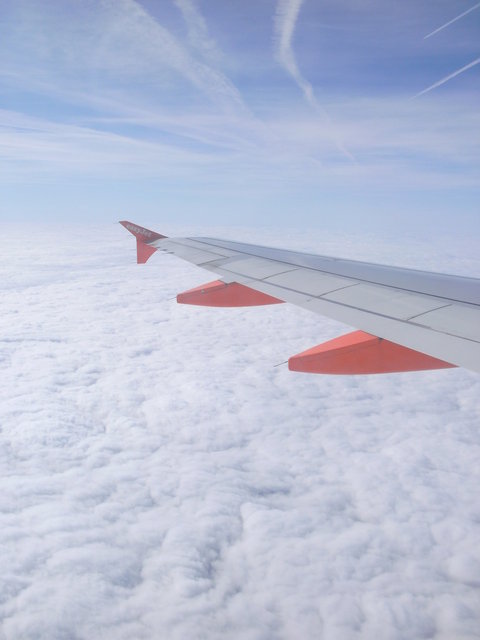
432	313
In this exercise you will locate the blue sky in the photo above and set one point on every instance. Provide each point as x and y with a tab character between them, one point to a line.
284	112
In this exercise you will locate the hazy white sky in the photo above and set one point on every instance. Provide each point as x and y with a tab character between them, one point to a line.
162	479
241	112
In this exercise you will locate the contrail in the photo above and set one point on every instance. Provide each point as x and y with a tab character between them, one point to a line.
452	21
158	41
449	77
197	30
285	20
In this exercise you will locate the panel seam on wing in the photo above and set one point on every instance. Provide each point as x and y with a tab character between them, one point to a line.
374	313
424	313
359	280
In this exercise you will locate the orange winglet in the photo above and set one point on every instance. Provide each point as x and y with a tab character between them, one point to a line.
359	353
144	251
144	238
223	294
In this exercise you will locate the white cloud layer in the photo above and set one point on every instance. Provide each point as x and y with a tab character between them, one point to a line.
160	478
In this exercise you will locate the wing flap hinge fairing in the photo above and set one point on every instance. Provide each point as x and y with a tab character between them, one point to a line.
225	294
361	353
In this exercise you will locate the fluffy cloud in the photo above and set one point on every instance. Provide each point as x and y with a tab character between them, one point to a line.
162	479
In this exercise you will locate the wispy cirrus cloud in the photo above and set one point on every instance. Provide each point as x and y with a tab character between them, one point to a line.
119	42
218	149
142	90
130	17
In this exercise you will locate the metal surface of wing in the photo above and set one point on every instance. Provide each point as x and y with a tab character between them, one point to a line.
435	314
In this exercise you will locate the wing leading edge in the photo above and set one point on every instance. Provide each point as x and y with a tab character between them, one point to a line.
408	319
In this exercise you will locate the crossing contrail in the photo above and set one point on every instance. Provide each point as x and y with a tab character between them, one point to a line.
449	77
451	21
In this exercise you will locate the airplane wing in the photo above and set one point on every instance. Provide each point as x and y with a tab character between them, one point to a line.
407	319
